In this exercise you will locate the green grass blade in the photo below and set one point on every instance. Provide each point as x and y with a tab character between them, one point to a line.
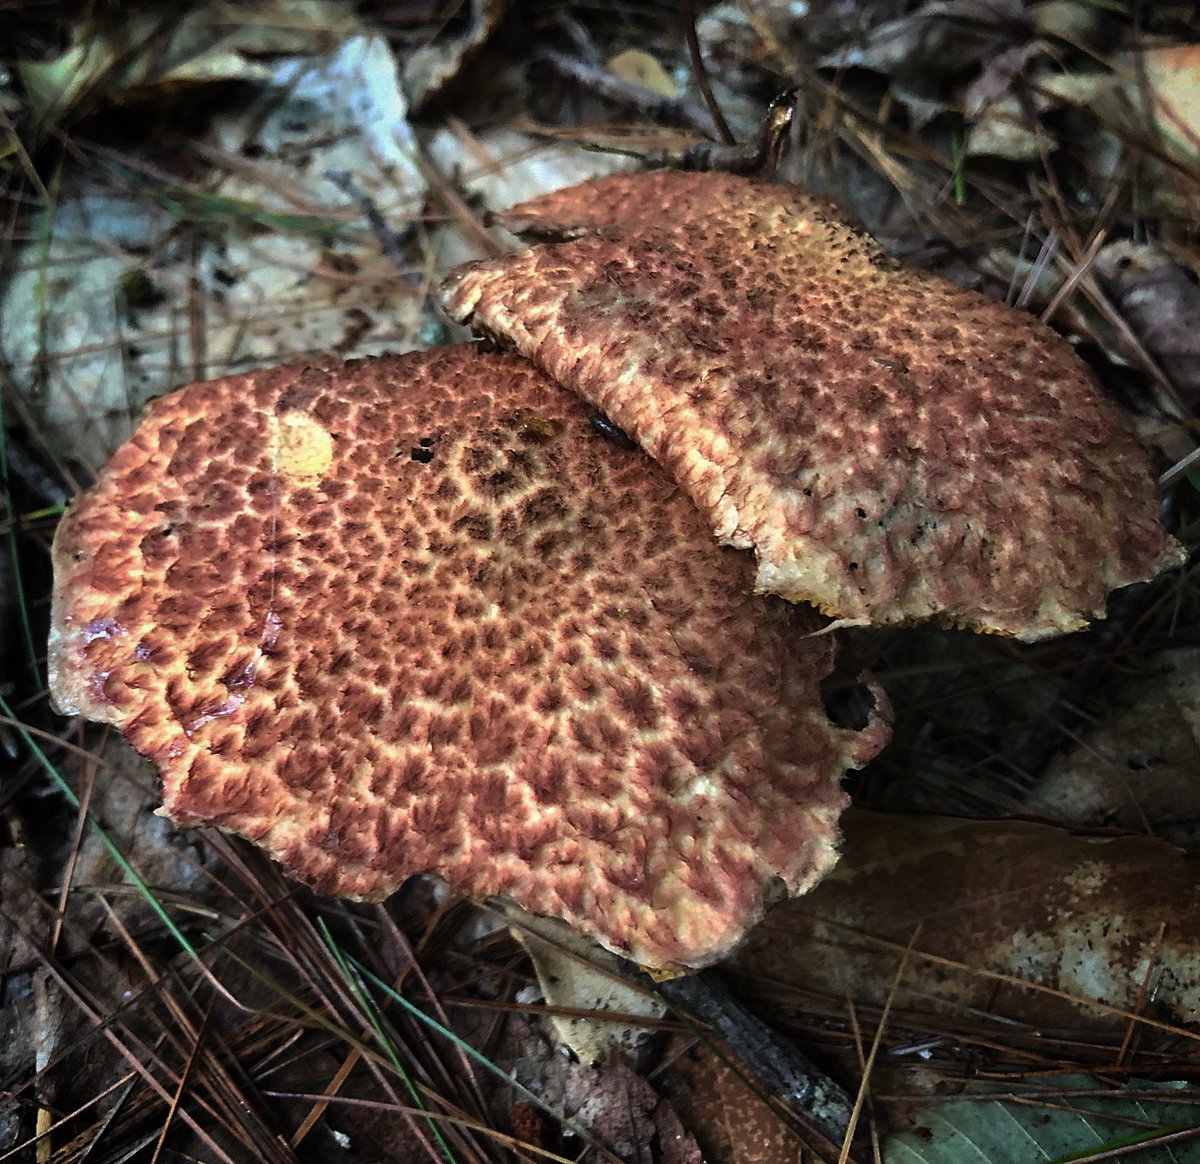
109	844
357	988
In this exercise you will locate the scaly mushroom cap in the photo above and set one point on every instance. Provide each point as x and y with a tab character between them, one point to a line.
416	614
894	447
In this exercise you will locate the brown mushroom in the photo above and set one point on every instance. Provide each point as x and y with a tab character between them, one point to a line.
893	447
414	614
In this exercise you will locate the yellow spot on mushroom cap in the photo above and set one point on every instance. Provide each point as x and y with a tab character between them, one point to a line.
303	447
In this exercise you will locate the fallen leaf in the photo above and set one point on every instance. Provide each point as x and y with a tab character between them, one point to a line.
1137	768
435	65
1043	1120
638	67
576	973
614	1104
1161	301
145	54
731	1123
995	904
1172	76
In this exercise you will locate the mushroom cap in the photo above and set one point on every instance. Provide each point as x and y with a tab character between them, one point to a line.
894	447
414	614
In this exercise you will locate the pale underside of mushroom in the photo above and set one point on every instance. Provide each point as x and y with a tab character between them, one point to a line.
414	614
892	446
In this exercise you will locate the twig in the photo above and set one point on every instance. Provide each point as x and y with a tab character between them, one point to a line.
759	156
391	242
783	1068
687	10
648	101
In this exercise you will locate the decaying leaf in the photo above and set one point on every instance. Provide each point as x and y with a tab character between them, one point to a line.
1098	919
1161	301
1139	768
438	63
731	1123
283	261
620	1108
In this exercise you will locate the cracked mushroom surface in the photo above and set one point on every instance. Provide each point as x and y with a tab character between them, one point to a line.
415	614
892	446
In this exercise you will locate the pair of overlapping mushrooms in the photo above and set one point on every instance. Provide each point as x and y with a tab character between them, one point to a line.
433	613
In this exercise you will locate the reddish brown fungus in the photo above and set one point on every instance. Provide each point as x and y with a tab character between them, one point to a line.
518	662
892	446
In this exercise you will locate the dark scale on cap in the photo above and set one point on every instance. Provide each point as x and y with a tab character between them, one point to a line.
404	685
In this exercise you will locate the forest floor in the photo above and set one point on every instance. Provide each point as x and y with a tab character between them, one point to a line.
1006	966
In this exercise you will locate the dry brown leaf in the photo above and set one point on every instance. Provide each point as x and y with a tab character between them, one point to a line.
731	1123
1075	914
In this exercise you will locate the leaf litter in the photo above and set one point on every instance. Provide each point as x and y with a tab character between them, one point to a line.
147	268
